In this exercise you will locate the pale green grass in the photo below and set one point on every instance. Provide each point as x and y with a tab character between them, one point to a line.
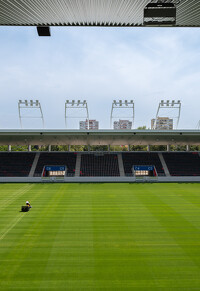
100	237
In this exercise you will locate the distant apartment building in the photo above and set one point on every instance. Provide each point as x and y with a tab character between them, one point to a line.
122	124
162	123
93	124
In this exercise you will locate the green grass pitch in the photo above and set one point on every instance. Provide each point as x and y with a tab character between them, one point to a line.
100	237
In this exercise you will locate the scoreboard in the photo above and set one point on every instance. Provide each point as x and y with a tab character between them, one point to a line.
54	171
144	170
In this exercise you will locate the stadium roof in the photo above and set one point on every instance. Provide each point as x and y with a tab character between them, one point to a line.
89	12
99	137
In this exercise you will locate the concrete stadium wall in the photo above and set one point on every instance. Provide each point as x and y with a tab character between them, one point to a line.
100	180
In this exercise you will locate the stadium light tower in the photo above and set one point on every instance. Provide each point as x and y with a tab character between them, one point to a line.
169	105
80	106
198	125
30	105
125	106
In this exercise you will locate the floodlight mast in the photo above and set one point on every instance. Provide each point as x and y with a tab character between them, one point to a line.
122	104
30	104
168	105
73	104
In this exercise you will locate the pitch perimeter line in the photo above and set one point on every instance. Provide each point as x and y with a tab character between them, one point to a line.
11	227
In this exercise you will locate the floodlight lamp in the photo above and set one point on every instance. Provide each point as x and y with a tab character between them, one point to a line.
31	102
26	102
20	101
67	101
167	102
179	101
114	101
131	101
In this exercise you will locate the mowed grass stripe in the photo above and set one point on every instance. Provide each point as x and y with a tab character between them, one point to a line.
181	205
148	256
72	253
31	254
117	243
184	237
102	237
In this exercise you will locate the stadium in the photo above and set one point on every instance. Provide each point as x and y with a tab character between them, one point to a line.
111	209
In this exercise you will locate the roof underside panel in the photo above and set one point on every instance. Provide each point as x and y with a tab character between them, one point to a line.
88	12
99	137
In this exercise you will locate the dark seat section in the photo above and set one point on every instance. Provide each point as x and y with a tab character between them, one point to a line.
183	164
94	165
16	164
140	159
53	159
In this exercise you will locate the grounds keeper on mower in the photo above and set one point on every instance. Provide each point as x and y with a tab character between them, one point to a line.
27	207
28	204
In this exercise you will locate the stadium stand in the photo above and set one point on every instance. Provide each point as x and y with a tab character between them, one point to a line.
131	159
97	164
15	164
183	164
19	164
60	158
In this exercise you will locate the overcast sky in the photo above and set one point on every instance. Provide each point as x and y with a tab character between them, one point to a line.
99	65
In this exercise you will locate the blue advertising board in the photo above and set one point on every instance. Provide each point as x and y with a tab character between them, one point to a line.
143	168
55	168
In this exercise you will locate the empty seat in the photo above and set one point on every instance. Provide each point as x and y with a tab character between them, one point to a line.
53	159
140	159
94	165
16	164
183	164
